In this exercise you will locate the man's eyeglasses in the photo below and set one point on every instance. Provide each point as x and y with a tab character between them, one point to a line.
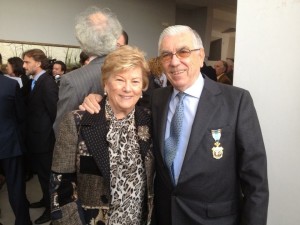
182	53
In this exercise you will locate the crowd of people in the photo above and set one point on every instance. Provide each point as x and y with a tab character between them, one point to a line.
164	142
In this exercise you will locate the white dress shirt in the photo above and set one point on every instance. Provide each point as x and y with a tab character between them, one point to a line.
191	101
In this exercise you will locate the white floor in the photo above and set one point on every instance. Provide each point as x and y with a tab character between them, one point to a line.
34	194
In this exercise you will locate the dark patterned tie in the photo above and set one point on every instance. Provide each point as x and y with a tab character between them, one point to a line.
171	144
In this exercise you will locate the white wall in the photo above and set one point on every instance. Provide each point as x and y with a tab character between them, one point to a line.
267	63
53	21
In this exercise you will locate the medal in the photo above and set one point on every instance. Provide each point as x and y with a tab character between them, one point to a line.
217	150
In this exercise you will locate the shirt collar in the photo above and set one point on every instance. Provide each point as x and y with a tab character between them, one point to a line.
195	90
36	77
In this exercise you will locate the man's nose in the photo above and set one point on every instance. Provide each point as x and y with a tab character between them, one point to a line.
175	60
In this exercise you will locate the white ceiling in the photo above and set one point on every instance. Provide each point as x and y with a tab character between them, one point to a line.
224	13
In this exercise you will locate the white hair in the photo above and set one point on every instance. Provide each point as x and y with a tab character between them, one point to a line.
178	29
97	31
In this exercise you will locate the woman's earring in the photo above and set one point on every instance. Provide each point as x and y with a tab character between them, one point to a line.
141	96
105	93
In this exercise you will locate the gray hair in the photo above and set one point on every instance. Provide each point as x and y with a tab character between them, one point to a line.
97	31
178	29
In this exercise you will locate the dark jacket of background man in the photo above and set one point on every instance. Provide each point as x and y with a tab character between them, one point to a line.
11	151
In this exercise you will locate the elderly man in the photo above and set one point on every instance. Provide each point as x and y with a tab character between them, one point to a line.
211	165
221	68
97	31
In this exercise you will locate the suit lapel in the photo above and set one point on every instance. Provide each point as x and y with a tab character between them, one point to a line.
161	107
37	85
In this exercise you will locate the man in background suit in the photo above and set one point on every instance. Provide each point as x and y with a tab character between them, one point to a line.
221	68
59	68
12	115
208	71
97	31
218	172
41	113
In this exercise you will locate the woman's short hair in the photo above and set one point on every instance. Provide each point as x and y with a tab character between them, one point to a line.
123	59
17	66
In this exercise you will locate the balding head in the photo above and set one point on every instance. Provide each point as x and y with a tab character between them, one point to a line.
97	31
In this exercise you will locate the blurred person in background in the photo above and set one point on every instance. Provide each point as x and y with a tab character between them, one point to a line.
14	68
40	116
230	64
59	68
221	68
12	115
97	31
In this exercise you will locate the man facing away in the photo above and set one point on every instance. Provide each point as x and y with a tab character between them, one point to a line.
211	167
97	31
41	113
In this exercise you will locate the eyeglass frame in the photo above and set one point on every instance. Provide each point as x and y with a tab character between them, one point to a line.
170	55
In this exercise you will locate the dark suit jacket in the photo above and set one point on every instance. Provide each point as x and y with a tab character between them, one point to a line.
11	116
41	113
209	71
76	85
232	190
25	90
